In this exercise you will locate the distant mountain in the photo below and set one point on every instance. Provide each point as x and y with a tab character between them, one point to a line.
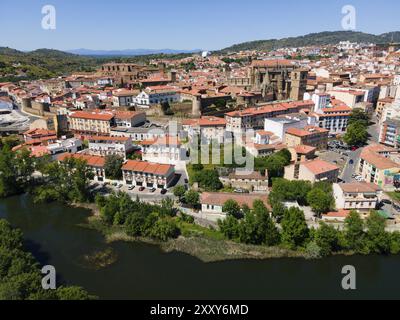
129	52
314	39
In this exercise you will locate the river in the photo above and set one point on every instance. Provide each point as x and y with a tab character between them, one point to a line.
142	271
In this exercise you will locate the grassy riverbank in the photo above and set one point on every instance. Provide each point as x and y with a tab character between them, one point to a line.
205	244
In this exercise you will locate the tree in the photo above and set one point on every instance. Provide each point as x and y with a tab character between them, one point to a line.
164	229
278	210
356	134
377	239
16	170
360	116
275	166
327	238
294	228
285	190
257	227
73	293
285	154
179	191
112	167
229	227
134	224
269	232
192	198
320	201
232	208
20	276
354	232
208	180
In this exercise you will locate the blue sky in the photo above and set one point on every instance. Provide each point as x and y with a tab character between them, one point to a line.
181	24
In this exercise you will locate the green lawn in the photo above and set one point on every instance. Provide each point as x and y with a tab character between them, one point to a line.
190	230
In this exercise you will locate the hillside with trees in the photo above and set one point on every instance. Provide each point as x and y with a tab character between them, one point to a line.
314	39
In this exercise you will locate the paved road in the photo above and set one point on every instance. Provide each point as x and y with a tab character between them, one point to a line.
350	168
354	158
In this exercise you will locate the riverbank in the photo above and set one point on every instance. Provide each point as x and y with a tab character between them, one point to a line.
204	245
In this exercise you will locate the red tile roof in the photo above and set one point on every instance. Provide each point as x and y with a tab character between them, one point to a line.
147	167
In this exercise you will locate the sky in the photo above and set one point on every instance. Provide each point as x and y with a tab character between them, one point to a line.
181	24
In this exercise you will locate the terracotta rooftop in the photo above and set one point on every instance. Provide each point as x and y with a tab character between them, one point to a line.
93	161
357	187
147	167
94	115
319	166
219	198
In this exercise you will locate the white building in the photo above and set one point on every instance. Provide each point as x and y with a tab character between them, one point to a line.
156	95
359	196
165	150
71	145
105	145
279	125
208	128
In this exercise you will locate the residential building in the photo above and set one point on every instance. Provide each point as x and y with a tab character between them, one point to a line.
107	145
91	122
279	125
335	119
380	165
96	163
254	118
360	196
253	182
207	127
129	119
156	95
166	150
124	97
314	171
390	133
148	174
309	136
213	202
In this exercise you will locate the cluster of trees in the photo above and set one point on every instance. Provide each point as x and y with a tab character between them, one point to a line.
208	179
16	169
189	197
67	181
258	227
251	226
20	276
275	163
139	219
357	129
319	196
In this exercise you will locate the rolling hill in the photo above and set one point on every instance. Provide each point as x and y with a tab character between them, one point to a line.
314	39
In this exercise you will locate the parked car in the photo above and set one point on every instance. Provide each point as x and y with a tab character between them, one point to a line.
131	187
386	201
241	190
163	191
142	189
152	190
351	161
120	186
